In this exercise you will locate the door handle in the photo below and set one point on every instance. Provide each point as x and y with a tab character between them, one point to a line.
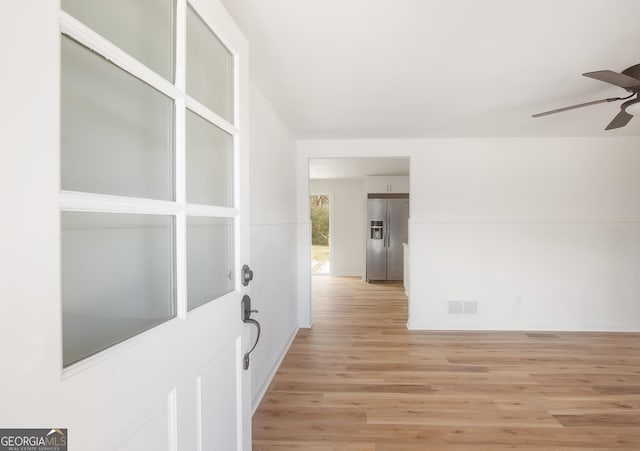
246	318
388	229
246	308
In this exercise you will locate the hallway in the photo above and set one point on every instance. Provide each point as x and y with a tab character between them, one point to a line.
359	380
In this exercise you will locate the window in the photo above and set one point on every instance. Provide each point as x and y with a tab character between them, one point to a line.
208	59
117	131
117	278
147	163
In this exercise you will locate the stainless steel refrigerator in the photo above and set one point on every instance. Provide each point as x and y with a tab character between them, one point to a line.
387	222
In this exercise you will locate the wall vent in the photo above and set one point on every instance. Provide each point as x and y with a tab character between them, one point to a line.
462	307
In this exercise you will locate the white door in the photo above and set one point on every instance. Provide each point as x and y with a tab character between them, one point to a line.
124	187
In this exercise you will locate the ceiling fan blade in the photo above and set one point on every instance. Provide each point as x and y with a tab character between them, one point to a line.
609	76
621	119
573	107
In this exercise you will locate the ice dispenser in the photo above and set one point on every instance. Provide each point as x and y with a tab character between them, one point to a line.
377	230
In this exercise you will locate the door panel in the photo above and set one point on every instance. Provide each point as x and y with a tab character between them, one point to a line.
377	184
376	239
399	184
398	234
153	432
218	410
141	392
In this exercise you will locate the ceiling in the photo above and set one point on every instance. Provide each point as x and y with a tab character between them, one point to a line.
341	168
439	68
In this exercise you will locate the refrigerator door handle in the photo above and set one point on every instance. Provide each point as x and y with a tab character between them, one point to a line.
388	229
384	233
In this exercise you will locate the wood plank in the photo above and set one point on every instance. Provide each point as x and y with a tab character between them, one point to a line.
599	419
274	445
359	380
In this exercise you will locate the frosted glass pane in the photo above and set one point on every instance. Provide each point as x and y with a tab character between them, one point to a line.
116	131
117	279
209	163
209	259
209	68
142	28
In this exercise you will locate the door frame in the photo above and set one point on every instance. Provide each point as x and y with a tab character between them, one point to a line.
329	195
308	150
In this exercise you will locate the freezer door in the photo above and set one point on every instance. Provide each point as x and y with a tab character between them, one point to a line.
397	229
376	239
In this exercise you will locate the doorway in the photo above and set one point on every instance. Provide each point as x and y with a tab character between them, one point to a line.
347	180
320	214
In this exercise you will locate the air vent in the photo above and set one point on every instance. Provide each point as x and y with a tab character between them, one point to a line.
541	335
455	307
462	307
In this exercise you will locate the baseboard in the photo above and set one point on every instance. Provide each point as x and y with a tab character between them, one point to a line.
347	274
265	386
558	327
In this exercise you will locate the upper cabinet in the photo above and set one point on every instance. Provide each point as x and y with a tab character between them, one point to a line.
398	183
387	184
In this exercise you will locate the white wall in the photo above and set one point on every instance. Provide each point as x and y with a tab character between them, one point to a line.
348	215
543	233
273	231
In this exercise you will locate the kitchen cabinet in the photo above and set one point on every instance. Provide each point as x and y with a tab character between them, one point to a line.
387	184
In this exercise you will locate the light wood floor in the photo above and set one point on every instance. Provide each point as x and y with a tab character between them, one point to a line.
359	380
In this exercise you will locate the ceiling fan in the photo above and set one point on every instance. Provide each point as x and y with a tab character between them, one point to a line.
628	79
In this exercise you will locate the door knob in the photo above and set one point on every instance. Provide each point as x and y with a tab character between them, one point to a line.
247	275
